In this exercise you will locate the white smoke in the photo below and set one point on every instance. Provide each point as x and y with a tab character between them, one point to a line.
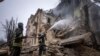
65	10
97	3
68	23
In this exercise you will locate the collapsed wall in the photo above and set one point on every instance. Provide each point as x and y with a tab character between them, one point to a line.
64	25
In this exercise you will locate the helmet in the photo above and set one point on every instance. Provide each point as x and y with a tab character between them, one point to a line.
41	34
20	25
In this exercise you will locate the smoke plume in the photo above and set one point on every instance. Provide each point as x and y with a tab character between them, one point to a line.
65	10
66	7
65	24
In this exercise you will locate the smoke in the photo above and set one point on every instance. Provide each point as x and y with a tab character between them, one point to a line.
65	9
61	24
97	2
65	24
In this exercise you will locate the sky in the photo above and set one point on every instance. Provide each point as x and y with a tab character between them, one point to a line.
22	9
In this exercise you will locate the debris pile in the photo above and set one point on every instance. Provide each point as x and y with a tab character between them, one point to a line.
66	28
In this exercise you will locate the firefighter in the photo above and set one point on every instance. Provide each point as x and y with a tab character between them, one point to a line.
42	46
17	42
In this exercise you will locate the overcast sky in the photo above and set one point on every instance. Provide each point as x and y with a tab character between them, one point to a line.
22	9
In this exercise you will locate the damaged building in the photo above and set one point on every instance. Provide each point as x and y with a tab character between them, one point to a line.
68	27
72	29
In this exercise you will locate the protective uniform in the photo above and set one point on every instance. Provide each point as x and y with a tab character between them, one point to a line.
17	42
42	46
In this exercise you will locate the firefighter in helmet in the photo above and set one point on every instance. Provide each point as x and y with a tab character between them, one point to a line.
17	42
42	46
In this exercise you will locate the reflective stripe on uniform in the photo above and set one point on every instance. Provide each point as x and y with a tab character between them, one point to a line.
17	44
77	13
21	35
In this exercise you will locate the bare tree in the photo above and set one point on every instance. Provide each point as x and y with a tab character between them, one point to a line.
9	28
